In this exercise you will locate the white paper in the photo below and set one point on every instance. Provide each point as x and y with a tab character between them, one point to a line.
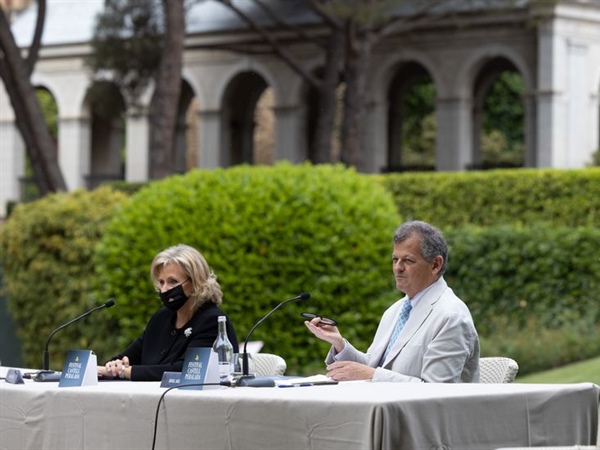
90	377
305	381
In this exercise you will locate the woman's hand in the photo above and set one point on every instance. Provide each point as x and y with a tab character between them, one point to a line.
118	368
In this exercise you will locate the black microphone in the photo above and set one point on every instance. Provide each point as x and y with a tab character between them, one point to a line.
245	378
46	368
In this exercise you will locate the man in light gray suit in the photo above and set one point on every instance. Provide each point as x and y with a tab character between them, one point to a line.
427	336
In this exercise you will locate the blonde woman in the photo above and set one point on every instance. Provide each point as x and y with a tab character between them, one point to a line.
191	297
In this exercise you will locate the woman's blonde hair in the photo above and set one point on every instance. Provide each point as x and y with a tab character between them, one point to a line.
205	287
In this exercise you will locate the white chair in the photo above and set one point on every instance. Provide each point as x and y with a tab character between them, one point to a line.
497	369
266	364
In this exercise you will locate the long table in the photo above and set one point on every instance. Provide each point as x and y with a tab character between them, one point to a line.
351	415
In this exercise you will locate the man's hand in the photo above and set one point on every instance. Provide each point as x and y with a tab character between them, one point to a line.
328	333
349	370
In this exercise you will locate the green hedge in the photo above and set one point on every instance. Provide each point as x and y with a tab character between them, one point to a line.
269	233
549	272
273	232
536	347
533	291
46	253
488	198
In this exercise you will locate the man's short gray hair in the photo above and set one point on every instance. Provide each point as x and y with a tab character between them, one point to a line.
432	240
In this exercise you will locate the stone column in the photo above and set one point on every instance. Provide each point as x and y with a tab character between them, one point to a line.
290	142
454	146
74	149
210	144
551	102
594	120
530	119
12	164
137	140
578	144
375	140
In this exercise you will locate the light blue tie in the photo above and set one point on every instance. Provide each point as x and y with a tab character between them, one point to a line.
402	318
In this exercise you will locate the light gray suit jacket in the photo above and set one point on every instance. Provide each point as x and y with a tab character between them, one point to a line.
439	342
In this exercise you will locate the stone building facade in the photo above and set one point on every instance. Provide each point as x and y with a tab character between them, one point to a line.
554	47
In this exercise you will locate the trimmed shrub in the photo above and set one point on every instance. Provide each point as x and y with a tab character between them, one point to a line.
488	198
518	279
536	347
47	249
269	233
519	272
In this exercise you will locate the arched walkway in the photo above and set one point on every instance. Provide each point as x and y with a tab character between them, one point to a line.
107	143
512	105
408	78
557	60
239	104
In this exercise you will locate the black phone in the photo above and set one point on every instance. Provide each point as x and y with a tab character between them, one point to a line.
324	320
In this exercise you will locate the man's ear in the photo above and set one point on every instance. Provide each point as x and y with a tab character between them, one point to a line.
438	262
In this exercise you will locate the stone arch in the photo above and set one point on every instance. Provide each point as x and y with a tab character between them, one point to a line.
478	72
487	76
479	57
46	89
40	81
387	70
186	129
188	139
595	113
220	81
309	118
404	76
195	84
303	95
27	186
105	106
237	117
186	136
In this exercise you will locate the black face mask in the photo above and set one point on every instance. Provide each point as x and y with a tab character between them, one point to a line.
174	298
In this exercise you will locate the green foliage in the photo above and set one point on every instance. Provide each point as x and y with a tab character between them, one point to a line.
127	42
587	371
126	187
532	290
487	198
595	158
49	110
419	125
106	102
504	110
494	151
47	249
538	348
29	189
502	140
543	271
523	255
269	233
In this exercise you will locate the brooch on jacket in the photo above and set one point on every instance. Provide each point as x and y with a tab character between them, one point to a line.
188	332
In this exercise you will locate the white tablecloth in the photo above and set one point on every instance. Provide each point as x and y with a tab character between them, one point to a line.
353	415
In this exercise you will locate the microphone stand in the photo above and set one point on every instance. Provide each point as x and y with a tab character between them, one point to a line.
245	379
46	367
